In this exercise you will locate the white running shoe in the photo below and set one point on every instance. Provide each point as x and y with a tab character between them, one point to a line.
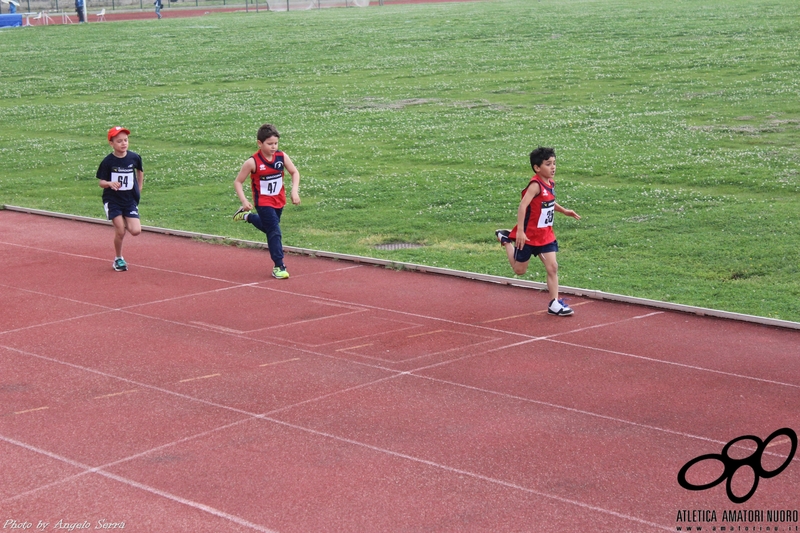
559	308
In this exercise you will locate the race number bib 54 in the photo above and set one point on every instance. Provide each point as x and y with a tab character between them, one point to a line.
271	186
124	178
546	217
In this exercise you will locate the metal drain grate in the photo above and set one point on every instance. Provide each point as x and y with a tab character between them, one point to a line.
397	246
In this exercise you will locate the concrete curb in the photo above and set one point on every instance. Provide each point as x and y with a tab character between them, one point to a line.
575	291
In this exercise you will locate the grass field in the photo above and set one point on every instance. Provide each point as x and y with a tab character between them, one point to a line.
676	126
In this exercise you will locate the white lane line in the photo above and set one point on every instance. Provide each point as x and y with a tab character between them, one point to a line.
582	412
141	486
674	363
269	417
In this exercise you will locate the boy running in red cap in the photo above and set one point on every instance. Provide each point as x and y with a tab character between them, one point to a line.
533	234
121	178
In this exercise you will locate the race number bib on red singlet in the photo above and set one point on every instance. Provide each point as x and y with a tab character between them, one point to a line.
546	217
271	185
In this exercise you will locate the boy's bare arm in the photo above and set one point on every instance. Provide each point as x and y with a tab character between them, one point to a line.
248	167
527	198
140	179
568	212
295	192
113	185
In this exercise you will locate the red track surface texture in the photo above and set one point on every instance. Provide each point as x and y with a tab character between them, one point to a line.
194	393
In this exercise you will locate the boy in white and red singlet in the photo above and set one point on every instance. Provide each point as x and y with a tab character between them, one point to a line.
533	234
266	170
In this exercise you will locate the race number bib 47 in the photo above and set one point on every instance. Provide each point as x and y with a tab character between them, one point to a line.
124	178
271	186
546	217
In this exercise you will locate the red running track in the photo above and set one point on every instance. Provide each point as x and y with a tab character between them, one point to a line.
195	393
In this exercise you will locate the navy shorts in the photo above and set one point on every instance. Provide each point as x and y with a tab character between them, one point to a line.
115	208
524	255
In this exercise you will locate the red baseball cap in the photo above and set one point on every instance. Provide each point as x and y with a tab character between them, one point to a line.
116	130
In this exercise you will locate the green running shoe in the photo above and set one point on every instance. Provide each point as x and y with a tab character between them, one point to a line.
240	214
120	265
280	273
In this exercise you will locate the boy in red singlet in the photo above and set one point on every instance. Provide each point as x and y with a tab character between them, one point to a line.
533	234
265	169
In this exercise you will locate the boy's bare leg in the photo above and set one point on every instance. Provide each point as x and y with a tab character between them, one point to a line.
132	225
119	234
551	267
518	268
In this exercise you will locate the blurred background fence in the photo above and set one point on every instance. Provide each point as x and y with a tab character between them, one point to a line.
68	6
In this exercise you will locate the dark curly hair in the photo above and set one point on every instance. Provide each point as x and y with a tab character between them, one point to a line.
540	155
266	131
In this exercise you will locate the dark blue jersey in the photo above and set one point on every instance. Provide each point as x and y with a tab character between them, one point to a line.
122	170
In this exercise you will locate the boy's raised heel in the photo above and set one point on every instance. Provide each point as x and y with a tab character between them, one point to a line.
502	235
